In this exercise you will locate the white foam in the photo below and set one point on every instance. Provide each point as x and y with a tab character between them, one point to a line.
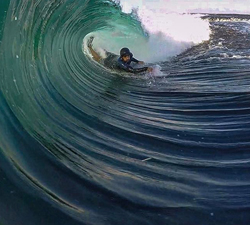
169	31
180	27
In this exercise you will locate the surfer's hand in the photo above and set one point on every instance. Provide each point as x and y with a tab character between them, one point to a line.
150	69
141	62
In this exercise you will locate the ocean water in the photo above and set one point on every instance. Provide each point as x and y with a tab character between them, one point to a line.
80	144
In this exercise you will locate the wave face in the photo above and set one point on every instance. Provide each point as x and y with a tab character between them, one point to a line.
80	144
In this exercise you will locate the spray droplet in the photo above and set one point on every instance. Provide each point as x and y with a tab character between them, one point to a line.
15	18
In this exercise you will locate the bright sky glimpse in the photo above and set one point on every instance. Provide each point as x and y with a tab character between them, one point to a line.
202	6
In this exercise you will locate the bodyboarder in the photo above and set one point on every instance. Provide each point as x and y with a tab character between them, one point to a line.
121	62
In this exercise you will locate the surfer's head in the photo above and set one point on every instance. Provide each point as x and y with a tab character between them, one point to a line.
125	54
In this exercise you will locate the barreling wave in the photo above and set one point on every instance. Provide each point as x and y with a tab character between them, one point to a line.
107	148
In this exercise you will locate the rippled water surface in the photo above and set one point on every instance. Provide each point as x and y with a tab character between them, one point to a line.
80	144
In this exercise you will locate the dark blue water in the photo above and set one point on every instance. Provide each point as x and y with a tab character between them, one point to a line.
83	145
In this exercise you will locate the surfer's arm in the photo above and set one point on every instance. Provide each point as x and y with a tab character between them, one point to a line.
136	60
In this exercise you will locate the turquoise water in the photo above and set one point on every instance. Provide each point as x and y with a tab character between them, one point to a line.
81	144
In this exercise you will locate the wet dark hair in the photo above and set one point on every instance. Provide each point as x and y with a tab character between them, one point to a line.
125	52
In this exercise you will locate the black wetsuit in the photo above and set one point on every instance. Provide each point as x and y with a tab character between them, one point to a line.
115	62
